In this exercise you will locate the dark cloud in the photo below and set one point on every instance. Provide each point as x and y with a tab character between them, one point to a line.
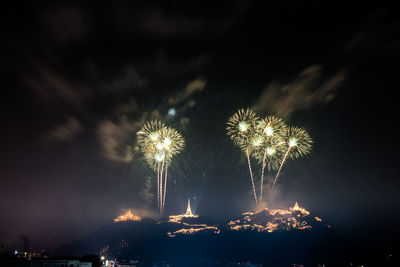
311	87
191	88
65	131
164	22
100	71
374	37
117	137
128	80
114	137
54	89
66	23
124	109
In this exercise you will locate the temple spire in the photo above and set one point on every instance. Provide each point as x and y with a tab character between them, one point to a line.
188	210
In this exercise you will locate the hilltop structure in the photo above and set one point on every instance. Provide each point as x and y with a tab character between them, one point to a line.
188	212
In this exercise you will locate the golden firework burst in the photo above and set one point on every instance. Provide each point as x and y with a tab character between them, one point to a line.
241	127
160	144
149	135
271	152
270	126
298	141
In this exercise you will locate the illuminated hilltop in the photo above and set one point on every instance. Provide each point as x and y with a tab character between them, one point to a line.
189	227
265	220
266	232
178	218
272	220
127	216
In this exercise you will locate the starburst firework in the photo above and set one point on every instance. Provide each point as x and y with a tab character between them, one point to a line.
160	144
298	143
241	126
241	129
270	154
271	126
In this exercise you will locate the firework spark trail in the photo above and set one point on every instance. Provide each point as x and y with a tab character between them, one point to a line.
271	129
165	186
158	184
251	176
247	132
241	126
299	144
262	169
160	187
262	175
280	168
159	144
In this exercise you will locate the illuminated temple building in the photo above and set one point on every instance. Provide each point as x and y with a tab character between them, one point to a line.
189	226
188	212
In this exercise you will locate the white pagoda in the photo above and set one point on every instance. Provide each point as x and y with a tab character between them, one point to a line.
188	212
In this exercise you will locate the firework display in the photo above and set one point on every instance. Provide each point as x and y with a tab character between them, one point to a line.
242	131
159	144
268	140
298	143
271	129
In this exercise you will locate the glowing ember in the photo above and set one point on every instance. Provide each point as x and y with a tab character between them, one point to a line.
127	216
271	220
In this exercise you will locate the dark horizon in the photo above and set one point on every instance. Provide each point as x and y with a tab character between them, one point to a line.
80	79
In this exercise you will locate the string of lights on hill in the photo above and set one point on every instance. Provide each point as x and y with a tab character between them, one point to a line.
264	220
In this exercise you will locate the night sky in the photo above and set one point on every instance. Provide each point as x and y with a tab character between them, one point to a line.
80	79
